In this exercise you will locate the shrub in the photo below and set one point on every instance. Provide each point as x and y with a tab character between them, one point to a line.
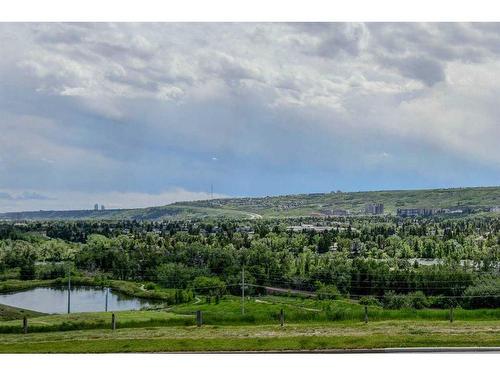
394	301
328	292
441	302
177	275
369	301
27	271
416	300
182	296
484	294
209	285
50	271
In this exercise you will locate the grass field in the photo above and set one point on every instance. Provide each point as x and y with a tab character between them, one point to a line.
258	311
340	335
309	325
265	310
14	313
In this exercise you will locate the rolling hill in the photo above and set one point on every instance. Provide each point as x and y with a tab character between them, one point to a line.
476	198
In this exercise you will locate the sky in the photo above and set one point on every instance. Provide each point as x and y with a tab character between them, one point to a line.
136	115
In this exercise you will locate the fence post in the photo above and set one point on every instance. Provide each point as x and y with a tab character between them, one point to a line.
366	314
282	317
199	318
69	291
113	321
25	324
451	314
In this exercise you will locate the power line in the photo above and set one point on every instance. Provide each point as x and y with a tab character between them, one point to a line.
377	296
400	272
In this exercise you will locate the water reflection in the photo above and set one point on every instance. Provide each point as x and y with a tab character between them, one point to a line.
83	299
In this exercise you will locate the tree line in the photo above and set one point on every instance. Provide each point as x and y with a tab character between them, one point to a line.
358	257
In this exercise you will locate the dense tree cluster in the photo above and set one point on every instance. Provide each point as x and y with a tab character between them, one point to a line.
364	256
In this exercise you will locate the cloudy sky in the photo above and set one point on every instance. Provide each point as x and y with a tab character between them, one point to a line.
132	115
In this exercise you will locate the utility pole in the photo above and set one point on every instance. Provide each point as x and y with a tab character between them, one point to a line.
243	290
69	290
106	307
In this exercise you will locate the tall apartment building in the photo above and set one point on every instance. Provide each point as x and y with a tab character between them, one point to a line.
96	207
374	209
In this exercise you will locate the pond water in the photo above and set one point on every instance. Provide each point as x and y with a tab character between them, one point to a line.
83	299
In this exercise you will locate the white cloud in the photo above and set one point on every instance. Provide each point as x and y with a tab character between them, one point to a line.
143	107
64	200
460	115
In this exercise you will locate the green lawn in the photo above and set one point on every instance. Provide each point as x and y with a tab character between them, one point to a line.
340	335
264	310
258	311
15	313
310	324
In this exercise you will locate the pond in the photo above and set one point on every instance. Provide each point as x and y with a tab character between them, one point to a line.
53	300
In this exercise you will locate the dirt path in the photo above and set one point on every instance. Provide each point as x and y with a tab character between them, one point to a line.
254	215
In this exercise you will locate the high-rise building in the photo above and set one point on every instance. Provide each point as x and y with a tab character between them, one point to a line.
96	207
374	209
102	207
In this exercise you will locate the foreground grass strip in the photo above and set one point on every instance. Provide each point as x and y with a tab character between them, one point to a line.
256	338
251	344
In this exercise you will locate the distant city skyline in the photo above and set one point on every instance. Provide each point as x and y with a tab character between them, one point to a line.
136	115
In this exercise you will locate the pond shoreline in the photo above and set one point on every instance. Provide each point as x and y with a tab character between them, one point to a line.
127	288
131	288
55	299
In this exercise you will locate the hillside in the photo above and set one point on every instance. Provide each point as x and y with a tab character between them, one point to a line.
480	198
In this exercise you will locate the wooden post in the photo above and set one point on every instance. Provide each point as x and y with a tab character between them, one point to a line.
366	314
113	321
199	318
69	291
451	314
282	317
25	324
243	290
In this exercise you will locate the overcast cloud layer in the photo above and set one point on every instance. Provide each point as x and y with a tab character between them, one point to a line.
131	115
